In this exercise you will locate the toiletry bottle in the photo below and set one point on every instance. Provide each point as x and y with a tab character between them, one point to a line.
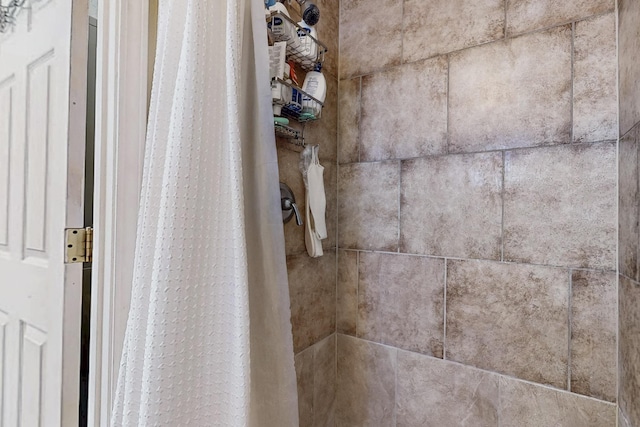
316	86
308	47
278	25
281	29
277	70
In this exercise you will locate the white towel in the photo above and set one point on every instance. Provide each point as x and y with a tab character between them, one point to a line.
315	204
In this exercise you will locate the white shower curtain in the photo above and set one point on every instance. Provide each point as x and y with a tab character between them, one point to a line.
208	340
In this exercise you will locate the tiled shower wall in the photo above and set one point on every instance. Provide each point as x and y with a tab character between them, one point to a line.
312	281
477	214
629	286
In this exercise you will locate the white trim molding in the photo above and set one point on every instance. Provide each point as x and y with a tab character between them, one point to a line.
121	117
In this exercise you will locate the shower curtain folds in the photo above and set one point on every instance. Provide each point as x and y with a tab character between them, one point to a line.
208	340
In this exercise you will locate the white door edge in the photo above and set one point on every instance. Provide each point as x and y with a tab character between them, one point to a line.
42	110
121	117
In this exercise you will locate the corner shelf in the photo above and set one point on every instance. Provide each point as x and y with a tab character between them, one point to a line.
301	53
286	132
300	105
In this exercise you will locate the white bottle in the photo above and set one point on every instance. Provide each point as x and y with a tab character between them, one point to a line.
308	47
315	85
282	29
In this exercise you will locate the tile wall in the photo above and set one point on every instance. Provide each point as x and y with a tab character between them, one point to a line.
629	279
477	219
312	281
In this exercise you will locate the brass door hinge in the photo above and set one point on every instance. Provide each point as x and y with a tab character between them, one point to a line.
78	245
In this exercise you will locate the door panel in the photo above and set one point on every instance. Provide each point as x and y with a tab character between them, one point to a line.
31	374
6	92
42	86
38	115
4	320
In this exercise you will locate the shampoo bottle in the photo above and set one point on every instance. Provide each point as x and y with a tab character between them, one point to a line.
279	26
316	86
308	47
281	29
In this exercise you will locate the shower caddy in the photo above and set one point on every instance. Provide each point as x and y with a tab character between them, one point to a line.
293	109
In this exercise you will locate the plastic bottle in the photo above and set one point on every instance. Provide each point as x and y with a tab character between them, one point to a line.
281	29
315	85
308	47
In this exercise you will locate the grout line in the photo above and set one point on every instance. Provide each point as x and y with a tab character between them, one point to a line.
502	192
617	345
573	57
448	148
402	32
338	55
359	136
357	289
498	374
452	258
498	40
491	150
635	128
569	318
337	266
335	369
395	390
506	6
563	23
632	280
444	314
313	380
337	218
399	203
499	401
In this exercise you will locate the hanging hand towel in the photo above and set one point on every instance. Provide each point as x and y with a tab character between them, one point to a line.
311	240
315	206
317	198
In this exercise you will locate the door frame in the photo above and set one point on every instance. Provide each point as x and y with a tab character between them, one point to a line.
121	118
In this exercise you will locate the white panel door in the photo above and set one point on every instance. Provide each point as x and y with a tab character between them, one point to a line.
42	118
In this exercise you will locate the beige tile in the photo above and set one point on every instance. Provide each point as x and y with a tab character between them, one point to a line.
595	94
593	334
400	301
370	35
528	15
404	111
452	206
629	67
529	405
324	384
509	318
368	205
436	393
312	289
513	93
629	350
560	205
328	33
622	419
349	120
347	301
324	131
442	26
366	384
628	205
304	375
